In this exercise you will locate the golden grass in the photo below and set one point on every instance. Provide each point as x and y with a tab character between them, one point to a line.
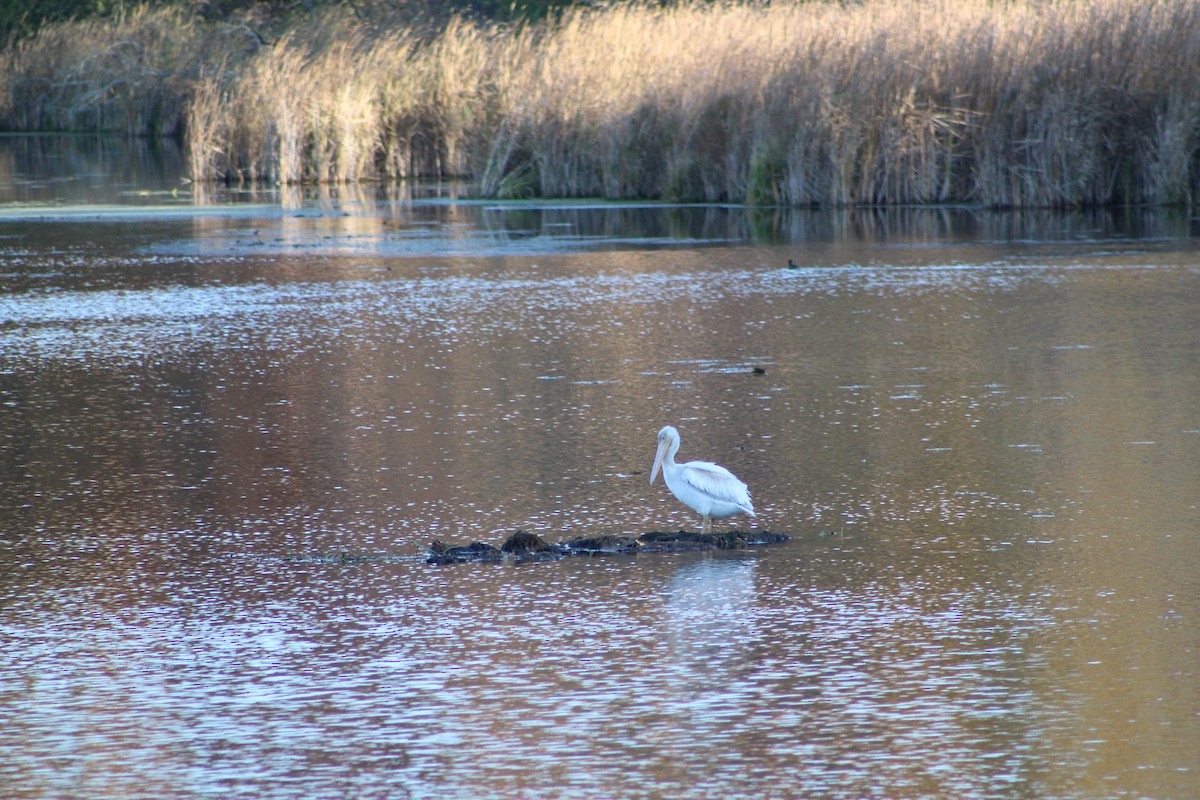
131	74
1019	103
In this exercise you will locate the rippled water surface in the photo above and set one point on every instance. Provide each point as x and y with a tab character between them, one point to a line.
233	422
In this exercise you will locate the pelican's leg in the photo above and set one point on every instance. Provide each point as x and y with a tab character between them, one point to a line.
706	525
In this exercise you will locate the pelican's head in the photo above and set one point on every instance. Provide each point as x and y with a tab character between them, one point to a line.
666	437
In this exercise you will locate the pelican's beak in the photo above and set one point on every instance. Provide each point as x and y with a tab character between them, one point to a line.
658	457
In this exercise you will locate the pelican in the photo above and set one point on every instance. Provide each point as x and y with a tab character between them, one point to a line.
708	489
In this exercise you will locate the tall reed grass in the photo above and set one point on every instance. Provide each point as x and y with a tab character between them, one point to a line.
1025	103
132	73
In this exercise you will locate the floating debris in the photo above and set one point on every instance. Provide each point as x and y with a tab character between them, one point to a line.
524	546
441	553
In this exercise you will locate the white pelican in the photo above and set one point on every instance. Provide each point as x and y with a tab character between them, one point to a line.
708	489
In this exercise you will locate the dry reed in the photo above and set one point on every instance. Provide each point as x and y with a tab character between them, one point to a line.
132	73
1023	103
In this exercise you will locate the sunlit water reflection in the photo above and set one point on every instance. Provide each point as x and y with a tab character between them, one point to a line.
224	459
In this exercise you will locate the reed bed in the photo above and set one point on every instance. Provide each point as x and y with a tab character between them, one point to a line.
1025	103
132	73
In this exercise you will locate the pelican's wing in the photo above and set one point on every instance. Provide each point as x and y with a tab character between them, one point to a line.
718	483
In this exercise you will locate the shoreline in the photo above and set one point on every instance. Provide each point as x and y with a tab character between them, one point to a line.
793	105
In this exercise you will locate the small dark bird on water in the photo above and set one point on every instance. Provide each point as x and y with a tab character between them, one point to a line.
792	264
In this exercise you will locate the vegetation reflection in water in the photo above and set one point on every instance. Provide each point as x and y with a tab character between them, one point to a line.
223	472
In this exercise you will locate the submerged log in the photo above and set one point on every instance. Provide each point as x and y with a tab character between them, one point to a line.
660	541
604	543
524	546
441	553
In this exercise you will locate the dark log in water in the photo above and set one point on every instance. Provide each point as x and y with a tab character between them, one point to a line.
442	553
524	546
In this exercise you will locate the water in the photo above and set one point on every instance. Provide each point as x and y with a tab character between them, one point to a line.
232	424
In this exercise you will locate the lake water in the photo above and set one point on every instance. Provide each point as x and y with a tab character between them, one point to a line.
232	422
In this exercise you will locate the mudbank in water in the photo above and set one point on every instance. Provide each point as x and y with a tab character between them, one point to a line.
525	546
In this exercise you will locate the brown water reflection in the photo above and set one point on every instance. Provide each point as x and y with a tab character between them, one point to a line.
223	461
